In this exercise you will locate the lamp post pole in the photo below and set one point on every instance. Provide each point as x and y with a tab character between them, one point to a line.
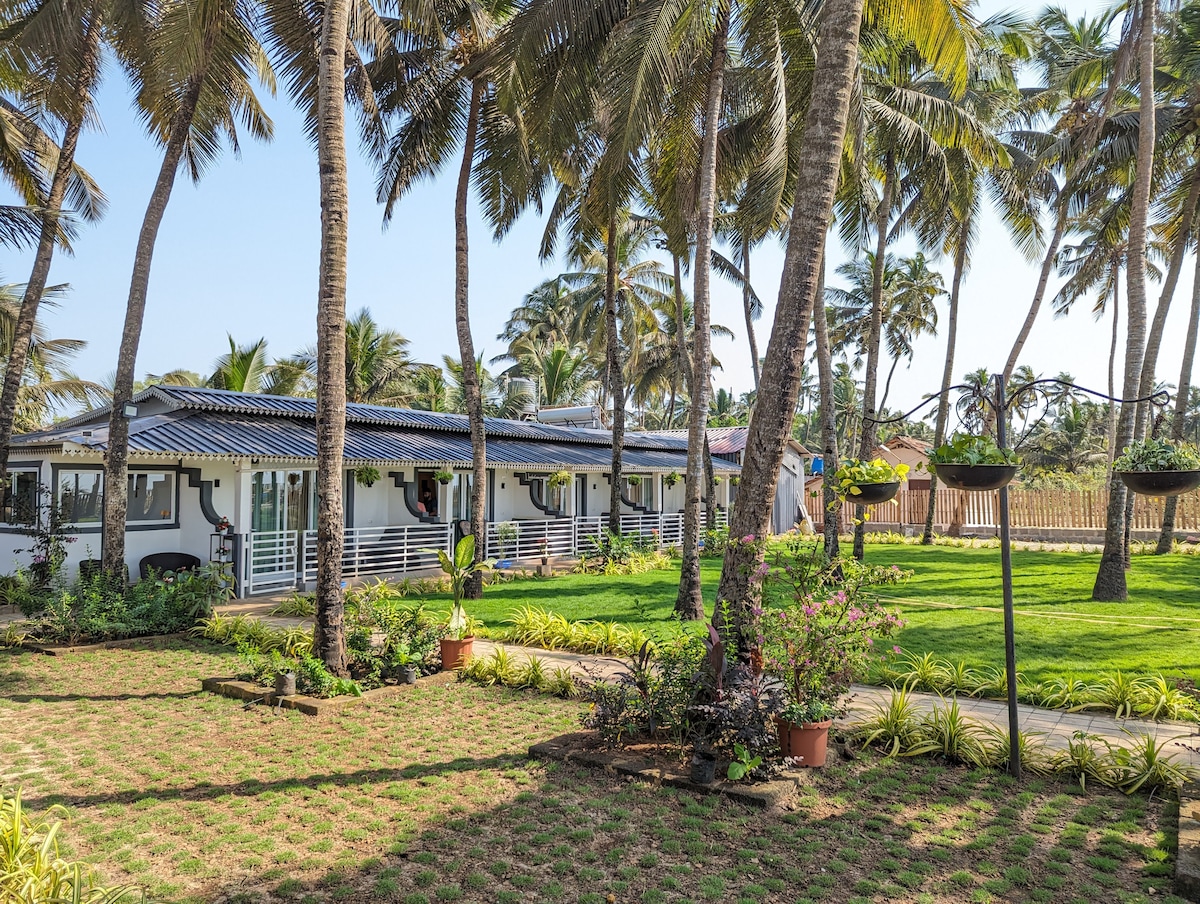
1010	649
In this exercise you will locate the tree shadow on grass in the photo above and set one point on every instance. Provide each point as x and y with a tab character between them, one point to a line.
581	834
202	791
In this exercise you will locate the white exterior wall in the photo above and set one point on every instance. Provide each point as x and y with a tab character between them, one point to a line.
190	536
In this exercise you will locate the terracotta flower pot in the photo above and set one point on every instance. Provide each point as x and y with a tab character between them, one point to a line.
807	741
456	653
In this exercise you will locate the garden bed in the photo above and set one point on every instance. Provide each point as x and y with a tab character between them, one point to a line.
310	706
652	763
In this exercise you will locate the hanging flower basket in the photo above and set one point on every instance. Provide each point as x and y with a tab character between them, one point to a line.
973	463
874	493
1160	483
974	478
869	482
1155	467
444	477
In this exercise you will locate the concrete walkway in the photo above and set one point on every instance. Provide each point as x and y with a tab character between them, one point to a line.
1054	727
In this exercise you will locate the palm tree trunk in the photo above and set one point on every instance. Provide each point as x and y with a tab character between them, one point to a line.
616	378
47	239
683	367
818	167
116	459
887	384
1060	226
472	393
747	308
1167	534
329	640
1112	373
866	448
689	603
1110	577
1159	323
943	412
828	412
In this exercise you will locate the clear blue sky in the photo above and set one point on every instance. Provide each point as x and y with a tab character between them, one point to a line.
238	254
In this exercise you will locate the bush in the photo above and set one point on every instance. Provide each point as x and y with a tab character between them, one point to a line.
312	678
32	869
536	627
96	608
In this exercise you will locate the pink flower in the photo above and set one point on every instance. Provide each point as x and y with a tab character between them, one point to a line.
749	538
895	649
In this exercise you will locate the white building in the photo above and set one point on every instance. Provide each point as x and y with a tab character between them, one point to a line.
198	456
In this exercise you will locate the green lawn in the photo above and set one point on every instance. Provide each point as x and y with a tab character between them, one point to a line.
1059	630
428	795
585	596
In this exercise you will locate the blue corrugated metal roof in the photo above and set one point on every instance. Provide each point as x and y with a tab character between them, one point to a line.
220	400
226	435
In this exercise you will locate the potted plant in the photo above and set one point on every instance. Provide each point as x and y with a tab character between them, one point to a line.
969	462
669	480
869	482
1156	467
559	479
735	480
404	663
544	551
444	477
457	644
816	648
633	480
223	525
366	476
507	533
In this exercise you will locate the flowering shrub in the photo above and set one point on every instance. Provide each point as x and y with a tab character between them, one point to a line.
824	642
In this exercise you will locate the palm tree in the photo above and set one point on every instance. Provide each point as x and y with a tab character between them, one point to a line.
204	58
1110	576
379	368
247	368
908	294
446	97
1184	402
58	52
47	386
911	119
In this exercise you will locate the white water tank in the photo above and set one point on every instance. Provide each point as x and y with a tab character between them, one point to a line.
571	416
529	389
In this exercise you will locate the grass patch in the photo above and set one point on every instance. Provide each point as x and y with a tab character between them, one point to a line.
429	797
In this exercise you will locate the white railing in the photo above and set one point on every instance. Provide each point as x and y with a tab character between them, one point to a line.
269	561
380	550
532	538
274	561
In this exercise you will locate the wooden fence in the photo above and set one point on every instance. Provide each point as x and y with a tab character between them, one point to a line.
1061	509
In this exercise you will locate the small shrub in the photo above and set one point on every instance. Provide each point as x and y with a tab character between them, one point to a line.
32	869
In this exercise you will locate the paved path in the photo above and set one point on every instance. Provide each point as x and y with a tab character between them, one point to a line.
1055	727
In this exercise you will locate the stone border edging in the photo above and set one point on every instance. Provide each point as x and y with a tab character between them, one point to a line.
55	649
309	706
772	795
1187	854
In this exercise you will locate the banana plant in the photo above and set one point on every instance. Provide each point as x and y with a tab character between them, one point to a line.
459	569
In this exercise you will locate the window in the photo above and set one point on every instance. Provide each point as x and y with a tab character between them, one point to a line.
81	496
554	497
19	502
460	497
151	497
642	492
